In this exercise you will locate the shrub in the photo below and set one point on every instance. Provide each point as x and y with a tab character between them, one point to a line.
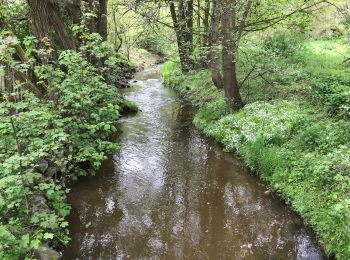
46	143
335	98
284	43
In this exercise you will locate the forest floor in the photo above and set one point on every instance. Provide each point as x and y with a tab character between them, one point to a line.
294	132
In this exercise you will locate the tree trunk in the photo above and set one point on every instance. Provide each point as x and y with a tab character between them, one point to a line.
189	32
99	7
177	29
183	26
198	14
38	10
214	55
117	37
206	38
231	86
203	38
57	23
44	16
102	19
74	11
39	16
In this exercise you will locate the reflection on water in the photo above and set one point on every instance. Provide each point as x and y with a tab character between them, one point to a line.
173	194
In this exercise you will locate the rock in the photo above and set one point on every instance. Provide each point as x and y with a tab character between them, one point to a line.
268	192
38	202
50	172
42	165
160	60
44	252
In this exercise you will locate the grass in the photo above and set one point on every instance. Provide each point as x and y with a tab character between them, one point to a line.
329	76
290	139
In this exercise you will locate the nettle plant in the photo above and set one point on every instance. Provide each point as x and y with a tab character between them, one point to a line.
46	142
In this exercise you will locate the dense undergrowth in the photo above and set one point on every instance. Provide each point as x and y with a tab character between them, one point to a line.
300	149
46	143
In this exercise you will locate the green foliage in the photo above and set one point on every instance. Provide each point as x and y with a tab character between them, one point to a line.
315	73
271	122
335	97
11	14
156	42
46	143
264	158
28	136
192	84
171	71
329	77
319	135
284	43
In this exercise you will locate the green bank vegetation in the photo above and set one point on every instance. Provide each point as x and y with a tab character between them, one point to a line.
288	116
270	80
293	132
59	105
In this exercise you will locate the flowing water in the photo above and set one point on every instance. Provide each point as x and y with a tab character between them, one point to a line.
174	194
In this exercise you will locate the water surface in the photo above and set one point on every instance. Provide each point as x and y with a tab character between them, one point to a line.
174	194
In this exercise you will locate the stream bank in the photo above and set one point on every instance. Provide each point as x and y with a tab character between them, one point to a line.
294	147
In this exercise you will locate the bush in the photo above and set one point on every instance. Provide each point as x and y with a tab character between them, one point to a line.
335	98
46	143
284	43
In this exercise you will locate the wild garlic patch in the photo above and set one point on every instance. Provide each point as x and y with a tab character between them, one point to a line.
269	121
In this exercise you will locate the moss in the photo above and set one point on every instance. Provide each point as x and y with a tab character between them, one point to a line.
128	107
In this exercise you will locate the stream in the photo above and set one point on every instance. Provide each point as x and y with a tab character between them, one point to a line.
172	193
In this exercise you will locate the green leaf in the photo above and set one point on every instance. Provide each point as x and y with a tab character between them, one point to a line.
24	241
107	127
35	243
48	236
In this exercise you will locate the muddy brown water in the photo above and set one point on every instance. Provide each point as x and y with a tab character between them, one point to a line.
174	194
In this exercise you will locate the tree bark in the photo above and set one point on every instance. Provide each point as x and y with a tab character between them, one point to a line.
99	24
231	86
45	16
178	33
198	14
183	26
57	23
189	31
39	16
206	37
74	11
38	10
214	40
102	19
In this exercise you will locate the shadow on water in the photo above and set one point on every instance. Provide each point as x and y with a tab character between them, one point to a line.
174	194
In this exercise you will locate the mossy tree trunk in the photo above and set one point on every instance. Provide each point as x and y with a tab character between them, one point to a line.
182	18
229	52
214	42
